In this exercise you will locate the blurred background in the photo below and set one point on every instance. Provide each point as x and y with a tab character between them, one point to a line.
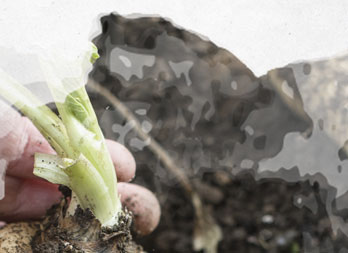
266	155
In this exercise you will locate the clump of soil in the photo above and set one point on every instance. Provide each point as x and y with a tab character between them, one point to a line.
82	233
255	216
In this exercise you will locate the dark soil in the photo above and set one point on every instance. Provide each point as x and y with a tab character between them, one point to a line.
183	87
82	233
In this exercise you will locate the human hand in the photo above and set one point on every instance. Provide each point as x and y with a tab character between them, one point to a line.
27	197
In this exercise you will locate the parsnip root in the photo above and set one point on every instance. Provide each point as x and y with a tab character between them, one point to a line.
16	237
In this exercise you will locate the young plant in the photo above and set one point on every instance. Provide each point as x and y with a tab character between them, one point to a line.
83	162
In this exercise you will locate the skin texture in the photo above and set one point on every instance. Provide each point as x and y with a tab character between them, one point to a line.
146	218
28	197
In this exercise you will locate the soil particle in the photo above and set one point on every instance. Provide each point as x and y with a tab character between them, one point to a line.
65	191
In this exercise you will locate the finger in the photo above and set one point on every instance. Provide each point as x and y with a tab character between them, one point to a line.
123	161
27	198
26	140
143	204
31	142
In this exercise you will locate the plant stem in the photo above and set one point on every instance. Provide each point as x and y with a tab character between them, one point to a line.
83	162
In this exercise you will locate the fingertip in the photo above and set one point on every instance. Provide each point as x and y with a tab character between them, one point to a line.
143	204
123	161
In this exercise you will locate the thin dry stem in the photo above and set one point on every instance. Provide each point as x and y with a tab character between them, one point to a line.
154	146
207	233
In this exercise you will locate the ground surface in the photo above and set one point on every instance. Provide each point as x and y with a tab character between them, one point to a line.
194	99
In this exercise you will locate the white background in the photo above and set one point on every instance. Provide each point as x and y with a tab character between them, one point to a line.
263	34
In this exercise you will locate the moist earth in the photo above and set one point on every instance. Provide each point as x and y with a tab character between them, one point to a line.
194	98
82	233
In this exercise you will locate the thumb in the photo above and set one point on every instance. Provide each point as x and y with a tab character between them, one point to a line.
13	136
12	139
